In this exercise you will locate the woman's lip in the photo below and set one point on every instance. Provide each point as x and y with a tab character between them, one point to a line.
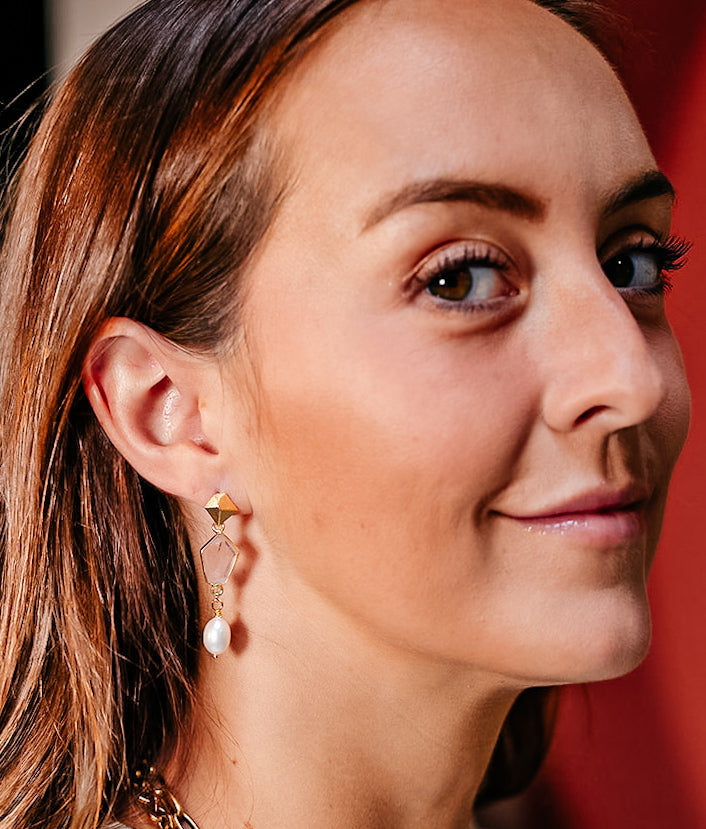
596	502
608	528
606	519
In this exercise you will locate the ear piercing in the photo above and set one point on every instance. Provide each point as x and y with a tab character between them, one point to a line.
218	558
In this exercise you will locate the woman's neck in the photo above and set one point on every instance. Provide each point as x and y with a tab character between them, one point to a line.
323	726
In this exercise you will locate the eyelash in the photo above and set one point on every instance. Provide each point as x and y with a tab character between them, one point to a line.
468	256
670	255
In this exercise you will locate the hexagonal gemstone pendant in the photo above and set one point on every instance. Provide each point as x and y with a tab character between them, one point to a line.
218	558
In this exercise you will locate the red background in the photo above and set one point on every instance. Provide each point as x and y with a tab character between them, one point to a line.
631	753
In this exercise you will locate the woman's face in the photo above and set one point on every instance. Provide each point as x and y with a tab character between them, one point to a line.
469	400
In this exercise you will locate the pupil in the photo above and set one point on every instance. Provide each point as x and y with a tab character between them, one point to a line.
622	271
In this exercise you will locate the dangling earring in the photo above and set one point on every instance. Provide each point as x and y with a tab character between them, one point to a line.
218	558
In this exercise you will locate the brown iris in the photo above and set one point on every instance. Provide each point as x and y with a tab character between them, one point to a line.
452	285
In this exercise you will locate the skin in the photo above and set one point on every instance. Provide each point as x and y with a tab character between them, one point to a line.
394	434
404	462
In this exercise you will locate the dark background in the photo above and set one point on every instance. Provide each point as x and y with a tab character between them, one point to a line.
22	69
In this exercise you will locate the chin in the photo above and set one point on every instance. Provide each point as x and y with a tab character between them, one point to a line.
616	660
590	641
614	645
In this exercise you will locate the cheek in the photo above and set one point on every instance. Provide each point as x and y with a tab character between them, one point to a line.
652	449
670	424
378	455
359	417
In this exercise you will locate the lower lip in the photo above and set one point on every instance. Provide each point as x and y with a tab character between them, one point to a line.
609	529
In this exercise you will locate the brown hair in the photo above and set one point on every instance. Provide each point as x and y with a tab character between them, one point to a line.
145	191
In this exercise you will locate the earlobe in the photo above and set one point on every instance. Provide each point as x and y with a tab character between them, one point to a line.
144	391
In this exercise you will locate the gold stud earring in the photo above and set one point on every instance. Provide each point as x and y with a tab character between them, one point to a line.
218	558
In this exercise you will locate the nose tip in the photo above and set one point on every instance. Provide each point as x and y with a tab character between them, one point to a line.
603	371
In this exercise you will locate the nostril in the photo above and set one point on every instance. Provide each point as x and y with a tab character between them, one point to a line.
582	418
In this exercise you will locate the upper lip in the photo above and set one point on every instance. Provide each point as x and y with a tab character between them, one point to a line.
592	501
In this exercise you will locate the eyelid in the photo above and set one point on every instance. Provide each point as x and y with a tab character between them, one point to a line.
672	249
493	295
627	237
667	254
456	253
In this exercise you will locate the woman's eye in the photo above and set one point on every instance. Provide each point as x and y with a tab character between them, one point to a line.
634	269
467	279
470	281
646	265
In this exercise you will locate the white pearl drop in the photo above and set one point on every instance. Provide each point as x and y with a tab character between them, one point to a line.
216	635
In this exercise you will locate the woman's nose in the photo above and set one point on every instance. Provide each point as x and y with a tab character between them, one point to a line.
601	369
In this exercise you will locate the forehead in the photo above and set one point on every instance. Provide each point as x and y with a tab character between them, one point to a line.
405	90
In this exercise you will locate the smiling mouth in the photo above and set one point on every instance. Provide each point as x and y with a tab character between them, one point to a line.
596	518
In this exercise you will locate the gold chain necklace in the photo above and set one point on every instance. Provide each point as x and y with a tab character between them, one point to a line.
158	803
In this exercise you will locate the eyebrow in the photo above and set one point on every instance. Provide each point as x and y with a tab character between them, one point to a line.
649	185
494	196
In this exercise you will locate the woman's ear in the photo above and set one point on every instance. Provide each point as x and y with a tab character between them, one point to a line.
147	394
